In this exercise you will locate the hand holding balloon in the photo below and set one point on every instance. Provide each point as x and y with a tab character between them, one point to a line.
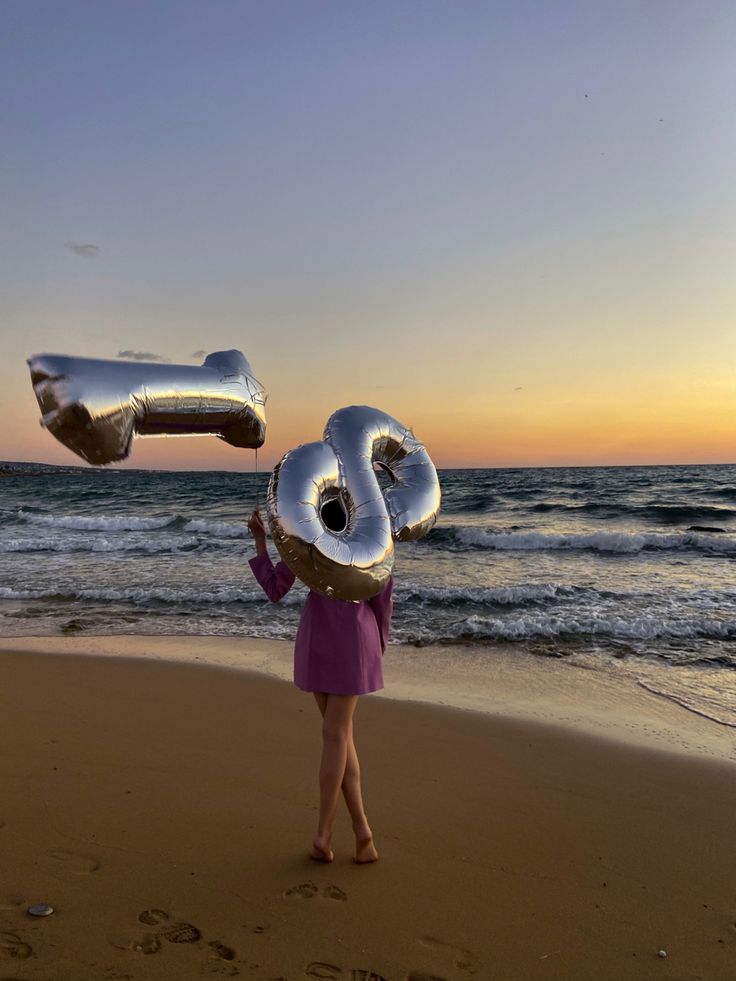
258	531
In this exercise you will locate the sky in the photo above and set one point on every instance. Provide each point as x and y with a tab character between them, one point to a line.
510	225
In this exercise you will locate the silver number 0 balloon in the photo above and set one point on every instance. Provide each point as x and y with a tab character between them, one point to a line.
353	562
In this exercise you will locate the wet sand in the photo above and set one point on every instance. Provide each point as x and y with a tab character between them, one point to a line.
165	810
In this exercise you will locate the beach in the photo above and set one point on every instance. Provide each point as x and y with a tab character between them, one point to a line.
434	304
160	794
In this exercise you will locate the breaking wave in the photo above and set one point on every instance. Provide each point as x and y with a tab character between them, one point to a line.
598	541
500	595
145	597
533	627
116	523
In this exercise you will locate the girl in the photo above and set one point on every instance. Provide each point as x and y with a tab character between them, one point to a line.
338	655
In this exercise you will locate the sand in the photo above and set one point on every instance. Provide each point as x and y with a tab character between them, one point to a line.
164	809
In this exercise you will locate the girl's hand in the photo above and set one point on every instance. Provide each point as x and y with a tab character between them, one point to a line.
256	525
258	531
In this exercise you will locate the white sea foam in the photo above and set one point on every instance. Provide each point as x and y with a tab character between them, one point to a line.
502	595
599	541
149	546
529	627
97	522
142	596
126	522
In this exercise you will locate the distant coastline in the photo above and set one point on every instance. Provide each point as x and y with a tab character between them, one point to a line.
39	469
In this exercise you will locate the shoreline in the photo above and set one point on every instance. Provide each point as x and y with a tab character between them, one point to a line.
165	809
579	695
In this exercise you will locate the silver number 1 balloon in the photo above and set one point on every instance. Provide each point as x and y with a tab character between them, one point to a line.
96	407
351	558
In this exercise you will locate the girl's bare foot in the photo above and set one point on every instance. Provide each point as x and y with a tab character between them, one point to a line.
321	851
365	850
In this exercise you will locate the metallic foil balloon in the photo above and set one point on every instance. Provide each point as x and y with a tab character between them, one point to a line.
351	558
96	407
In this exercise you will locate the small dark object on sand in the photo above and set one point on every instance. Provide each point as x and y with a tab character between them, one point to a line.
40	909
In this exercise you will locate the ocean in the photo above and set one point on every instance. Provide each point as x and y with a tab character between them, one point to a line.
633	565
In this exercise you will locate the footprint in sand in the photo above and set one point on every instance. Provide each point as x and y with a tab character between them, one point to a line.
221	950
322	971
150	943
152	917
61	860
12	946
306	890
147	944
335	892
181	933
175	933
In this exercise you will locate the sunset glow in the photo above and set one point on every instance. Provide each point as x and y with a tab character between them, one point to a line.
474	219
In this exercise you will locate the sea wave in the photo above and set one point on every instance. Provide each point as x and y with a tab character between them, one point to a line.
499	595
665	514
599	541
729	493
582	603
130	545
140	596
126	522
477	501
533	627
703	599
96	522
221	529
502	595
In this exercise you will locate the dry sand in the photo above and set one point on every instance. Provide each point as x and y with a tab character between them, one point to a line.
165	811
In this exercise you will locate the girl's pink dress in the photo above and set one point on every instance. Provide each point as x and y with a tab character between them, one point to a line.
339	644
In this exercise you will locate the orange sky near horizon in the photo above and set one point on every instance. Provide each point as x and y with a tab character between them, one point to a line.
517	428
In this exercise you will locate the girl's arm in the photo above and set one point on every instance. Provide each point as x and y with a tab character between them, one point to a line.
382	606
275	581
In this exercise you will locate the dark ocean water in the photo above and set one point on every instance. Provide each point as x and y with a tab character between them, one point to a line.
629	562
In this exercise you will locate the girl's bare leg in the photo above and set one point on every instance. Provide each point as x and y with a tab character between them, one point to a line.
365	850
336	722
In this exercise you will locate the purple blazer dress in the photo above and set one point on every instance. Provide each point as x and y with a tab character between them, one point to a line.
339	644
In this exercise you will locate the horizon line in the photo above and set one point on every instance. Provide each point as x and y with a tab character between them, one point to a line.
111	468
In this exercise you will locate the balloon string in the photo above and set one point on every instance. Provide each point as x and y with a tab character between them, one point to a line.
257	495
